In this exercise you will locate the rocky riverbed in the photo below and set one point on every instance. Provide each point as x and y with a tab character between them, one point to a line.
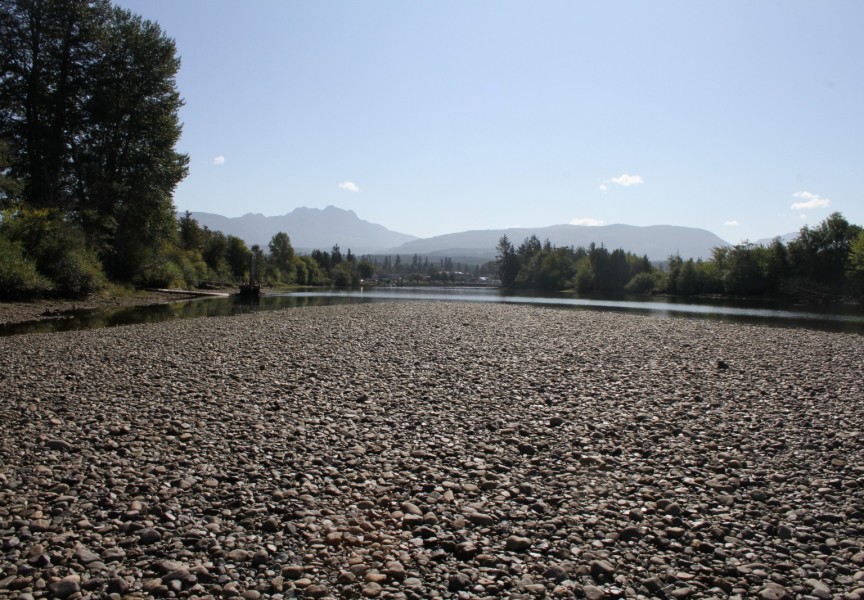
432	450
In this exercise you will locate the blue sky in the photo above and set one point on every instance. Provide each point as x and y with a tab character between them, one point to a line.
744	118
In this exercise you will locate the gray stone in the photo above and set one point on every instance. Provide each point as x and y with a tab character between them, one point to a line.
516	543
65	587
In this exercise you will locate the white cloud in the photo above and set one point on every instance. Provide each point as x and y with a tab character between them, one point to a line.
809	201
805	195
604	187
219	160
349	186
802	216
626	180
732	222
589	222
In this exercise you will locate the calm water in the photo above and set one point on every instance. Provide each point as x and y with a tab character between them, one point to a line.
820	317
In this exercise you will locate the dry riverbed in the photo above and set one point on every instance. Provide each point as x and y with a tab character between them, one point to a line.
431	449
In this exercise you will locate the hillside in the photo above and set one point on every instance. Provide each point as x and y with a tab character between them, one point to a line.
309	229
658	242
312	228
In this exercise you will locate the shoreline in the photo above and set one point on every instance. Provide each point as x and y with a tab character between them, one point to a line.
416	450
16	312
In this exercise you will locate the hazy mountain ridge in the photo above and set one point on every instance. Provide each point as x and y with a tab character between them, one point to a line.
658	242
785	238
309	229
312	228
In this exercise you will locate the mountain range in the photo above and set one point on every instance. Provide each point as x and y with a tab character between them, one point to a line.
312	228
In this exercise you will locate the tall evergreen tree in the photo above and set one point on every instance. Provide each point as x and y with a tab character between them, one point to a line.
507	261
89	109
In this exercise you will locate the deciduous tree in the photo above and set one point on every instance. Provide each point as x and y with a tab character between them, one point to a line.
89	109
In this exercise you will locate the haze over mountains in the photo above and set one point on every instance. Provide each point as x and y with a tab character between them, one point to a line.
312	228
309	229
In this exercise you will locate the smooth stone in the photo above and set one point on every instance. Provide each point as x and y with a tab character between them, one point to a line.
516	543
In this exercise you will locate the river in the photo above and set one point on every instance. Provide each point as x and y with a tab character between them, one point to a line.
847	318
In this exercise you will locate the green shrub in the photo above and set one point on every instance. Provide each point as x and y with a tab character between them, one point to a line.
166	274
58	250
72	267
19	279
641	283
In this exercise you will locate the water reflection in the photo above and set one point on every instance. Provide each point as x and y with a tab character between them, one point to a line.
764	312
187	309
830	318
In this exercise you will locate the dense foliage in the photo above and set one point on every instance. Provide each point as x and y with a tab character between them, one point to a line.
545	267
88	127
393	270
825	262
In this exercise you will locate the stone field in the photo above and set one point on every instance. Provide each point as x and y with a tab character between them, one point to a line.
419	450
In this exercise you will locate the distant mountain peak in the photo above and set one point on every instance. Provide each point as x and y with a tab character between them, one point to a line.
317	228
658	242
309	229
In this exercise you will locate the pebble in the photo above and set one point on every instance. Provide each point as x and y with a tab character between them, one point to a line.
365	451
65	587
516	543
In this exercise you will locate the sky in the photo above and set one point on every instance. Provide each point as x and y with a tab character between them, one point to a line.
430	117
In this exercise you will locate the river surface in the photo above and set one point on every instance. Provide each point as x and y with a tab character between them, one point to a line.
762	312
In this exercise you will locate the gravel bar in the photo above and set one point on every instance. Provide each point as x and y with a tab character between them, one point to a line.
419	450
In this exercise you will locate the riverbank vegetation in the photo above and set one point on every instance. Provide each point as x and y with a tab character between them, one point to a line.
88	129
825	262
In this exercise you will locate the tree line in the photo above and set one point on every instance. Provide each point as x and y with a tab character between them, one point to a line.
416	269
88	129
825	262
542	266
88	166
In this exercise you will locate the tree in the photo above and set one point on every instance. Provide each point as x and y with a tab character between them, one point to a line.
618	271
688	282
10	188
557	269
191	234
820	254
641	283
600	261
583	281
674	264
89	108
529	247
19	277
365	269
345	275
744	273
776	264
46	48
855	273
282	257
58	249
238	256
507	261
308	271
215	252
